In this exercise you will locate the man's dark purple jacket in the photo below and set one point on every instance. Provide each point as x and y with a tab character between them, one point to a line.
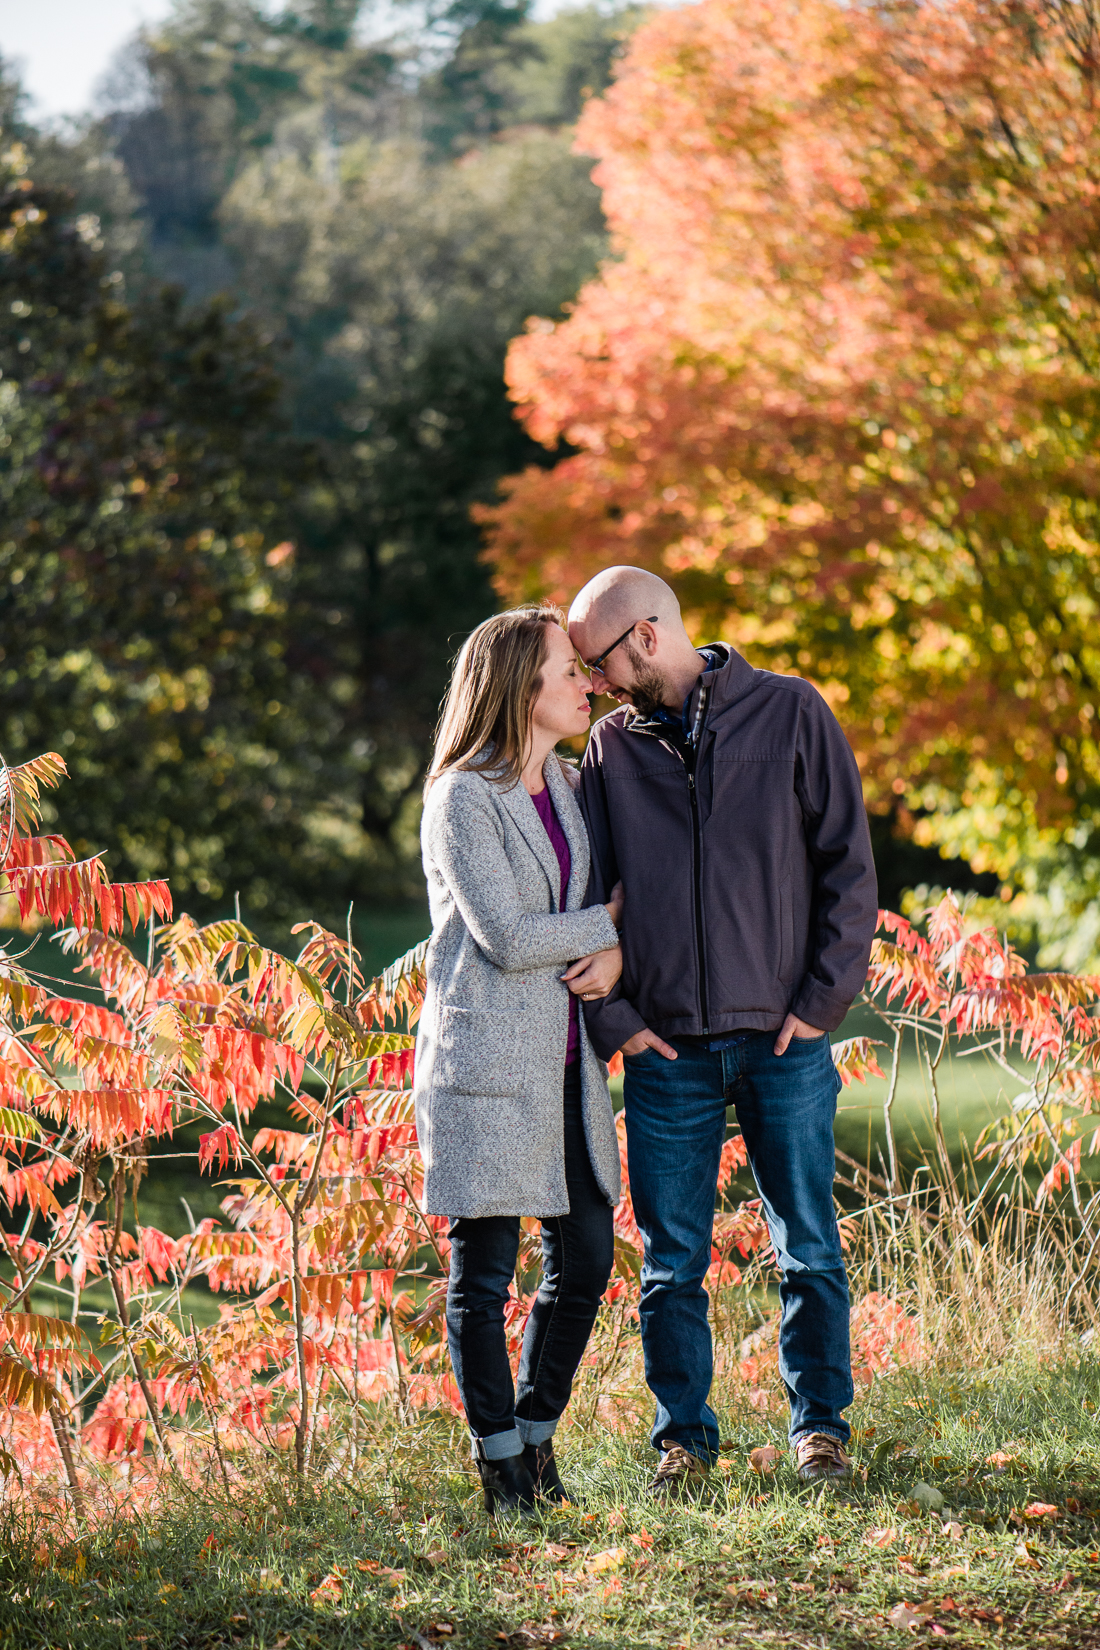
753	895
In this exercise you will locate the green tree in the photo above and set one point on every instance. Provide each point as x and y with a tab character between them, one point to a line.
145	482
387	240
505	70
400	283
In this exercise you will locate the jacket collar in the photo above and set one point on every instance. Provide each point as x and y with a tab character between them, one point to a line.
725	683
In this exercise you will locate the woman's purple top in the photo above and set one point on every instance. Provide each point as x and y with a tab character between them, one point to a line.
559	842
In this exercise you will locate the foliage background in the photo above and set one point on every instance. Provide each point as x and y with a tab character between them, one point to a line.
282	264
840	384
239	553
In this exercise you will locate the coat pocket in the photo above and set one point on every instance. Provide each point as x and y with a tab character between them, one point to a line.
481	1053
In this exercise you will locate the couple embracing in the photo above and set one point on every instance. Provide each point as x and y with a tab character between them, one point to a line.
701	897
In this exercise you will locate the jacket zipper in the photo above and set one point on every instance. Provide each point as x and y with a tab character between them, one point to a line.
697	844
698	878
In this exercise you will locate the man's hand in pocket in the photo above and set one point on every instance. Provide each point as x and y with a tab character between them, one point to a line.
794	1027
647	1039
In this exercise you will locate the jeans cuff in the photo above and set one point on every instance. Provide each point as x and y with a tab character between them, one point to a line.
535	1432
841	1434
498	1446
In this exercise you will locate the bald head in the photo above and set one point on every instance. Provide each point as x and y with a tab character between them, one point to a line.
615	599
630	620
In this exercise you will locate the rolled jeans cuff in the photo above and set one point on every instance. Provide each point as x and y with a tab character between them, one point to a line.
497	1447
842	1434
535	1432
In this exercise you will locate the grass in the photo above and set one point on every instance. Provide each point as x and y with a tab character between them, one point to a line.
392	1548
411	1558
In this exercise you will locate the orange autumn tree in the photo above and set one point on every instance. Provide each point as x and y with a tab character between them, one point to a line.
840	384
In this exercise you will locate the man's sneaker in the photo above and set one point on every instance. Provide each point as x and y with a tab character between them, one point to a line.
820	1455
678	1472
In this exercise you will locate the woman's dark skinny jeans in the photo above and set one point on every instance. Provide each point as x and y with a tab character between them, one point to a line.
577	1253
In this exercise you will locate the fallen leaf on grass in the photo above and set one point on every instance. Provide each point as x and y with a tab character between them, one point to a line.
1040	1509
924	1498
910	1616
642	1539
880	1538
806	1586
1024	1559
330	1590
435	1558
372	1567
755	1593
765	1459
269	1581
609	1559
953	1530
554	1550
1000	1462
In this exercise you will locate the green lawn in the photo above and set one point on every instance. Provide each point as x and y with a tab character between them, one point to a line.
973	1092
410	1558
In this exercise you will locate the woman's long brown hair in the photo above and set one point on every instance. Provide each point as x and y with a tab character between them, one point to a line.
486	717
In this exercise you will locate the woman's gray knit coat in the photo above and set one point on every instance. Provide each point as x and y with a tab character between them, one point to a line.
490	1049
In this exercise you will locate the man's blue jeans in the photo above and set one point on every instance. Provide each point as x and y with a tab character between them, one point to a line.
675	1126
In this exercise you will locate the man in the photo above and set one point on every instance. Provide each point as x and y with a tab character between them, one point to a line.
729	802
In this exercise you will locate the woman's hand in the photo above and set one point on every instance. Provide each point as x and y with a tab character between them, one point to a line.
592	977
614	906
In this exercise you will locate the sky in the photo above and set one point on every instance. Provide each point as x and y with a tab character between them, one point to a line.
62	47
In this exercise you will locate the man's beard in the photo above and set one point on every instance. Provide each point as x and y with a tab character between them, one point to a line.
648	689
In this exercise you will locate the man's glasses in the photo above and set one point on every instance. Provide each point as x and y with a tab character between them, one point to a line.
597	664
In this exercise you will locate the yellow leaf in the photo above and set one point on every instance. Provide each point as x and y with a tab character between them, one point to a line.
23	1389
18	1125
609	1559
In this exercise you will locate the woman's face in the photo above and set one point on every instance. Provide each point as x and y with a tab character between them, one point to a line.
562	707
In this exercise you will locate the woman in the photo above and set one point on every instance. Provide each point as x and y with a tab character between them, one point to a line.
512	1110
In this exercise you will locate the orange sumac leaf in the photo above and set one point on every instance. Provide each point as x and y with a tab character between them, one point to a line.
219	1146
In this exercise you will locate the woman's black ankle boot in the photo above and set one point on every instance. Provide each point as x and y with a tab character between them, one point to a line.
507	1484
544	1470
